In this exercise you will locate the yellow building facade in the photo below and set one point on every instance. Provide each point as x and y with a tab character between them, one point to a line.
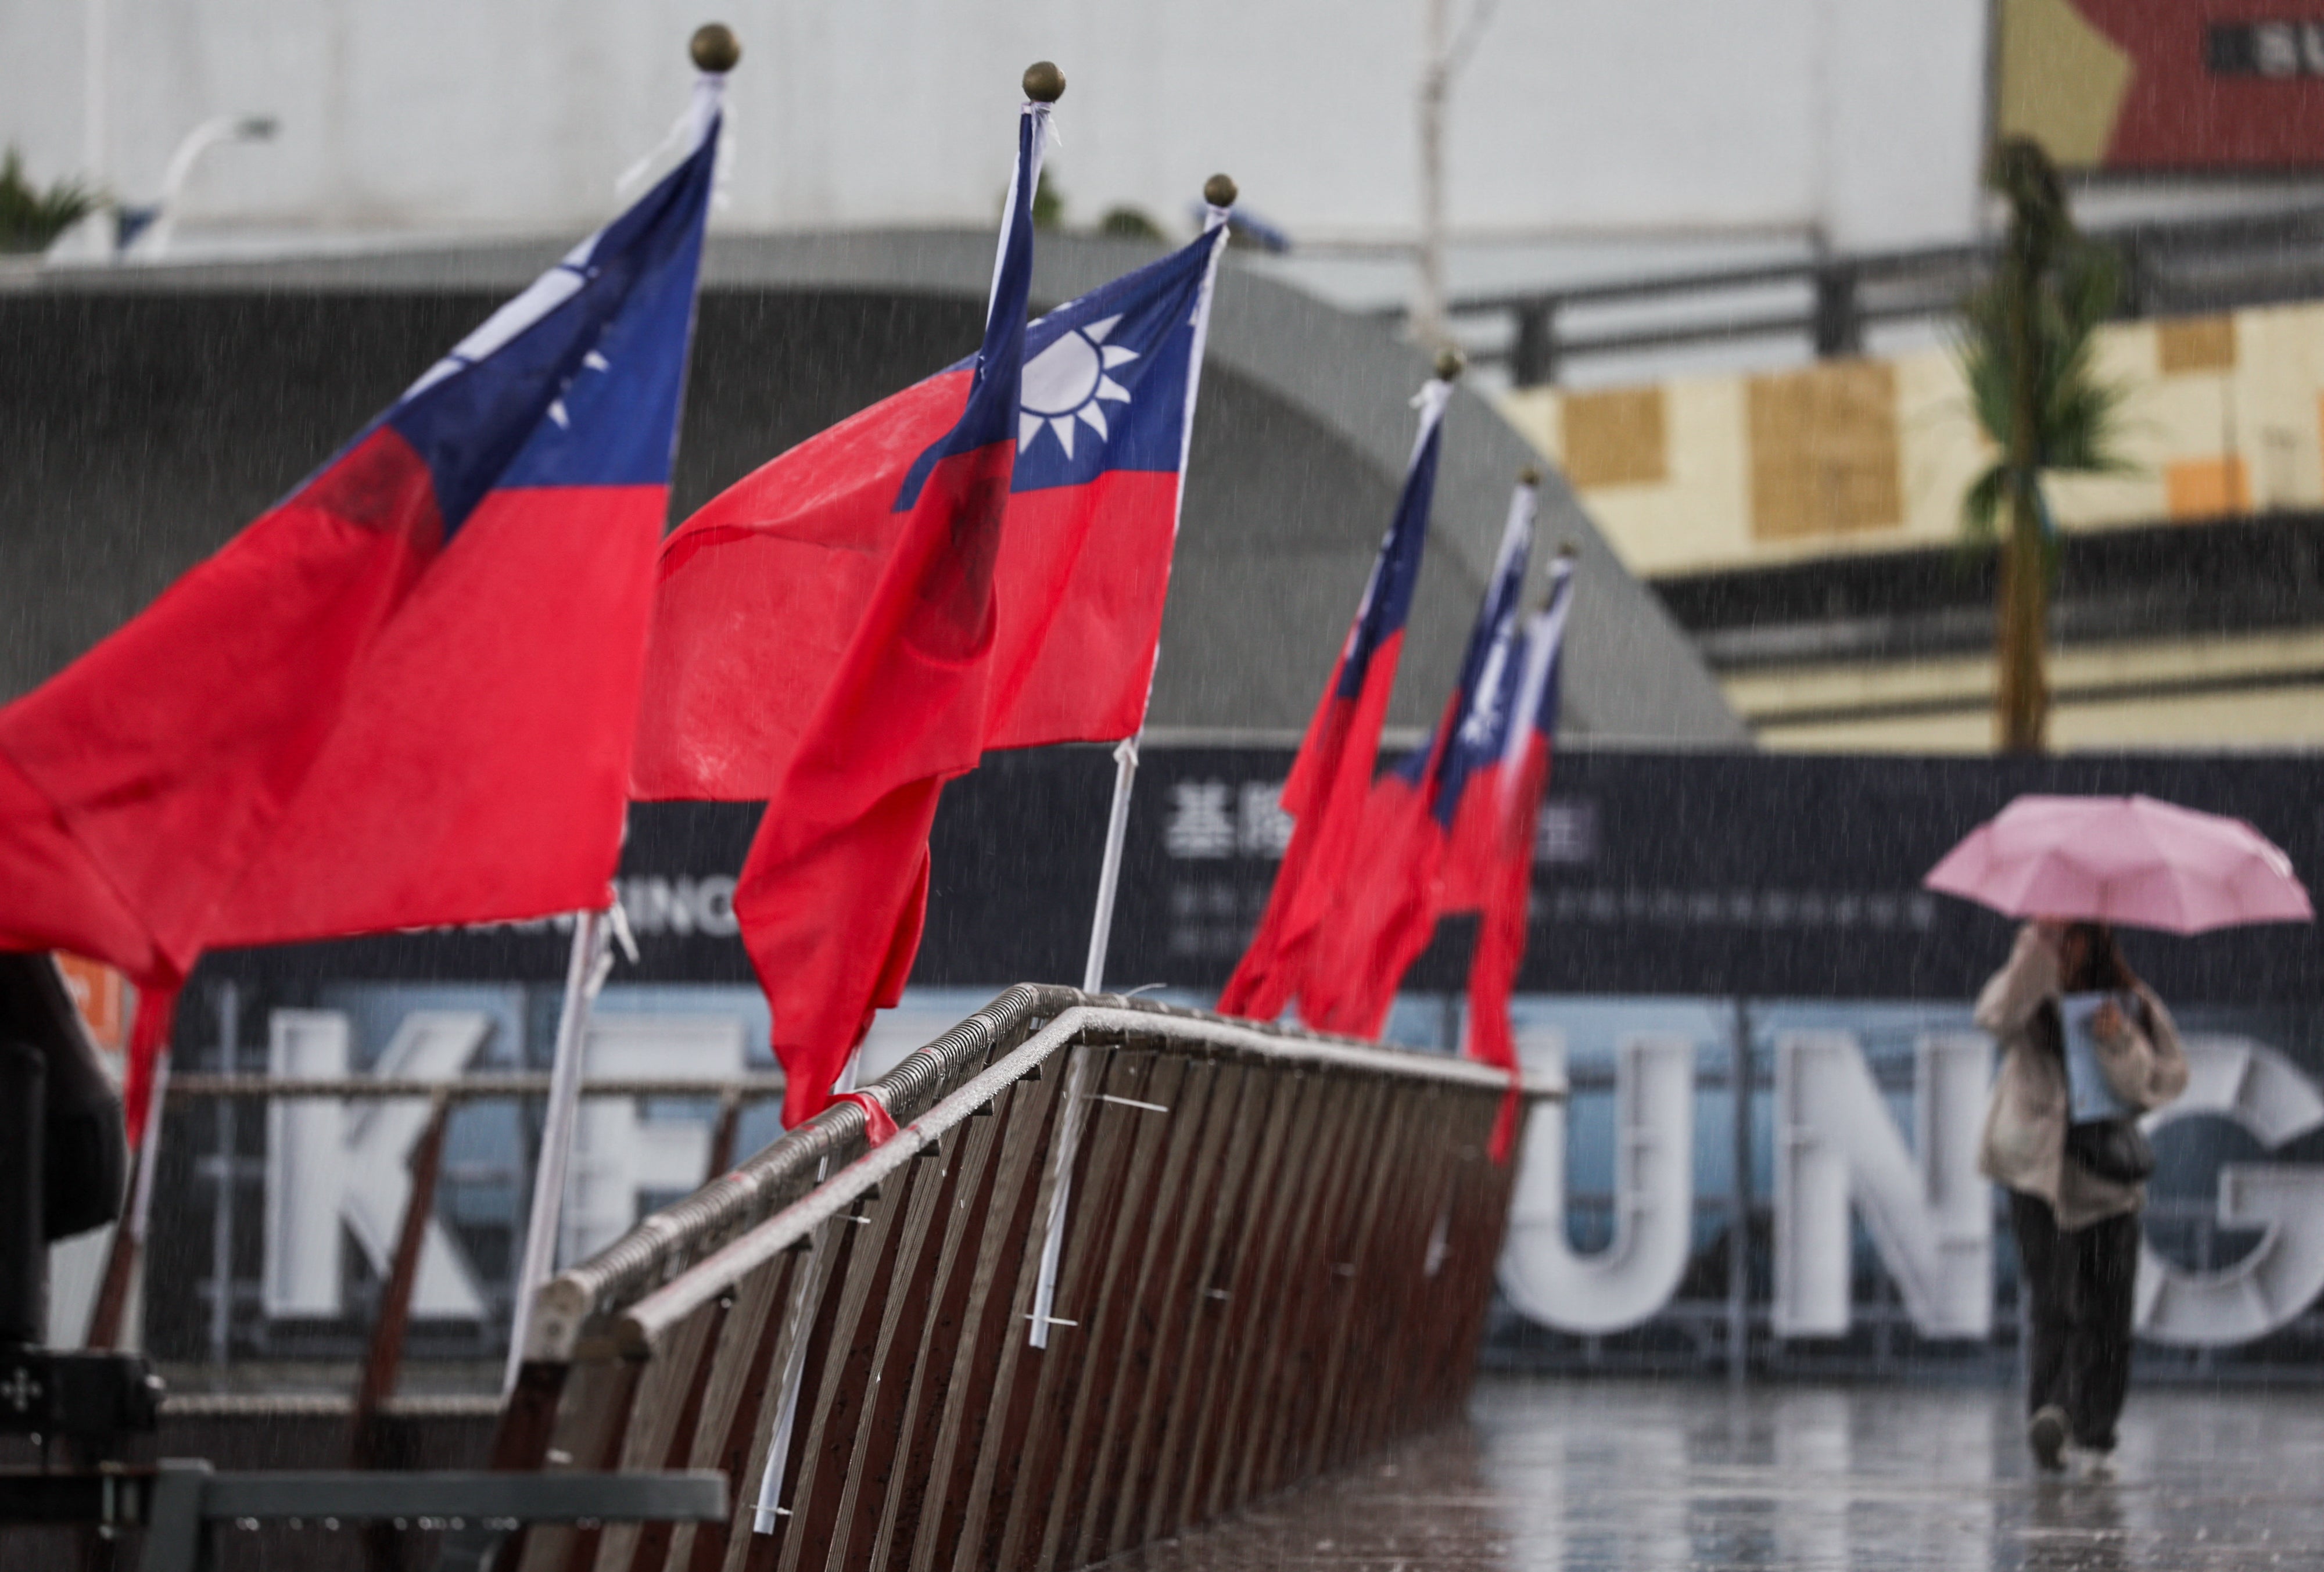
1701	476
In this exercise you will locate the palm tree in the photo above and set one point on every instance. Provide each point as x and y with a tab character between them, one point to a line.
29	217
2025	353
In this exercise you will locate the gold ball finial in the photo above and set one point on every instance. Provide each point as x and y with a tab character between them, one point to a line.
714	48
1219	191
1044	83
1528	476
1450	364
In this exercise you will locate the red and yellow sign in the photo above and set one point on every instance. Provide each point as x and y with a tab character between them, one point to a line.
102	997
2164	85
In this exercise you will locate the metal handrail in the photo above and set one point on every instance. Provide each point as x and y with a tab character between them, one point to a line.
2207	264
382	1362
645	1323
1119	1268
781	1177
460	1089
1723	281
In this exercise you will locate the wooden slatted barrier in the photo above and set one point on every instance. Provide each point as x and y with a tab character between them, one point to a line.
1272	1255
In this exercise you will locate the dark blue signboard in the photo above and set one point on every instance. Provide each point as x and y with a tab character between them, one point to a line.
1792	876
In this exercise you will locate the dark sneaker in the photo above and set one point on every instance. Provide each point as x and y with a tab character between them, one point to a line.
2045	1432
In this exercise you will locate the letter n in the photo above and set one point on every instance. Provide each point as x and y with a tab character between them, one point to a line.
1929	1212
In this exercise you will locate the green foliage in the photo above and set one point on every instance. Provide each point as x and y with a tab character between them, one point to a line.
1048	204
29	219
2078	415
1128	223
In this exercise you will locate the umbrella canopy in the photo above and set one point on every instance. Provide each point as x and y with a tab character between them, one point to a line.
2131	860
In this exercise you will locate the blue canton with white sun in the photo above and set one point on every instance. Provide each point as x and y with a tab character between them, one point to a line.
1105	376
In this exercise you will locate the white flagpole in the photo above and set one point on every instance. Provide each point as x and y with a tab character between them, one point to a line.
715	52
584	973
1219	195
1109	874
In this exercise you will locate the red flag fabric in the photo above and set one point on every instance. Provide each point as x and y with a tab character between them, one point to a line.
1330	778
1473	845
53	894
364	712
1525	772
1381	923
1501	940
761	592
1387	910
879	1123
817	638
835	889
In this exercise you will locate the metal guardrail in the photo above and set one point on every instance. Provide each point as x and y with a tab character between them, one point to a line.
188	1088
383	1359
1121	1268
180	1504
2167	268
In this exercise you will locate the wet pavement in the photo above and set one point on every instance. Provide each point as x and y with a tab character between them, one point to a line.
1604	1476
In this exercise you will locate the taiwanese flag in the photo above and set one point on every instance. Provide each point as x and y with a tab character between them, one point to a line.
762	592
834	890
403	696
1102	431
1435	800
1332	777
1505	877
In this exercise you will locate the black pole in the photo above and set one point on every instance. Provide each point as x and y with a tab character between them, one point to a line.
61	1162
23	1232
1534	360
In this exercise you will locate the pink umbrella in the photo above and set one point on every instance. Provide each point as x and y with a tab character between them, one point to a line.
2132	860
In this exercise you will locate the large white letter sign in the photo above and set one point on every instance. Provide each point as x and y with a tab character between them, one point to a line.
1653	1196
1932	1218
2261	1090
326	1162
616	1153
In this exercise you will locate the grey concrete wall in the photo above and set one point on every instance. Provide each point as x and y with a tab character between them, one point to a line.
147	415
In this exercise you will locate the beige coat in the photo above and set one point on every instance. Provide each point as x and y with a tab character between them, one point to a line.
2025	1144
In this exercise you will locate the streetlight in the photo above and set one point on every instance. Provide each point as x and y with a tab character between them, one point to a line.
161	216
1447	51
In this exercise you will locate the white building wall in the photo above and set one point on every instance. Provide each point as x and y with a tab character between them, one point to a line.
468	116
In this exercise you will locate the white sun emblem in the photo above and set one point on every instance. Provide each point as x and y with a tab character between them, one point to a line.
1065	382
1484	717
557	410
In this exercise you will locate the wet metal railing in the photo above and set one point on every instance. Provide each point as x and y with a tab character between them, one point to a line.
2168	268
1257	1255
383	1359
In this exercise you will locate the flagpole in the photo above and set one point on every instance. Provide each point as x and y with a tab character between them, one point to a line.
1219	194
124	1259
715	51
1109	873
585	972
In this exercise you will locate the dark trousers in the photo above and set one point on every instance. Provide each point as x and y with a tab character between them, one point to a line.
2078	1285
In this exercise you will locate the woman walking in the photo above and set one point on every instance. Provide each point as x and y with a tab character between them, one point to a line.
2075	1190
